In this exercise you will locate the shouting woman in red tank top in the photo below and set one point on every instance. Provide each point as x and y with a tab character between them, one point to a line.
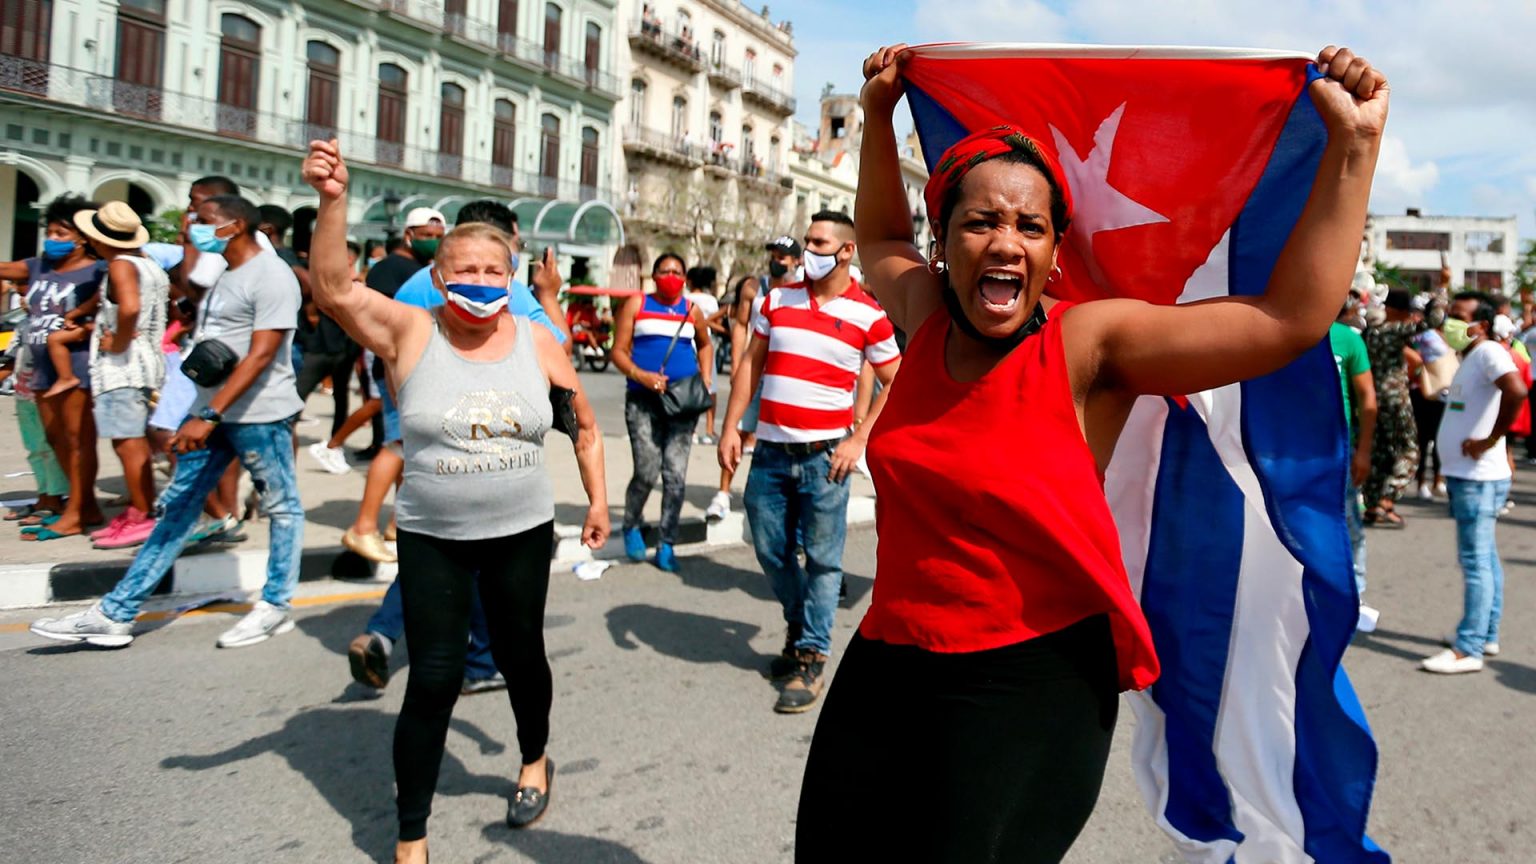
1002	625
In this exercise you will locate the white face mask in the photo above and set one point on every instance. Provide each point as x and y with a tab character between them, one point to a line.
817	266
477	301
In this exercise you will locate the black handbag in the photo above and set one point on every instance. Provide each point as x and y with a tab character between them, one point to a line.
209	363
684	397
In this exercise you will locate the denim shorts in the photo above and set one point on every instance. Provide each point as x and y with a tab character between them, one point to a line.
122	413
391	415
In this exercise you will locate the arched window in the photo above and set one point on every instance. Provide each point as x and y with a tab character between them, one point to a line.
552	17
549	155
390	129
716	128
320	103
589	154
594	52
773	154
637	104
504	136
749	66
450	130
748	147
717	50
239	74
140	57
679	116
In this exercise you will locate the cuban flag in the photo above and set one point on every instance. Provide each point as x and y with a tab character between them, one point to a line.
1189	168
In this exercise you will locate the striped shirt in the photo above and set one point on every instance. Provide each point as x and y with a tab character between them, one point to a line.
655	325
815	353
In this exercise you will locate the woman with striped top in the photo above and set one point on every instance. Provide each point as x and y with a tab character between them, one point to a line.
658	338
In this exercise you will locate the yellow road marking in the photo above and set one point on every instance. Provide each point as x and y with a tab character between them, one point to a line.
220	608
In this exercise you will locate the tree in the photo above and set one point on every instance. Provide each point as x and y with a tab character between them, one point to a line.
165	228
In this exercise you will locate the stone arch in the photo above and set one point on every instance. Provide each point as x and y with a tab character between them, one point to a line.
160	193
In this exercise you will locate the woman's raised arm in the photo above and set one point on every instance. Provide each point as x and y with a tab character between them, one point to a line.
375	321
895	270
1142	348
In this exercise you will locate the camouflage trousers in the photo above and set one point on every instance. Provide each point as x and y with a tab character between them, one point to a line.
1394	452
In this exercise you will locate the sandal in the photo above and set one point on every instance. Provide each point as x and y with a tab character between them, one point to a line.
35	523
43	534
1390	519
16	514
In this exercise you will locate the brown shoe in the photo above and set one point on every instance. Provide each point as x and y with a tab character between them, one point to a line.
804	688
368	655
785	665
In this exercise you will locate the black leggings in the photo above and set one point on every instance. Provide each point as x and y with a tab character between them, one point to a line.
436	578
992	756
1426	418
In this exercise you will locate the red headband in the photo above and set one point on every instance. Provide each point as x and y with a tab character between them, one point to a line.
978	147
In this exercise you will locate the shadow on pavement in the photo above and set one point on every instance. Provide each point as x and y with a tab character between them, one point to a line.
345	754
335	629
686	635
336	513
557	848
1515	676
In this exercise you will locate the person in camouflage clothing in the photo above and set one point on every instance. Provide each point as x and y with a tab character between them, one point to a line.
1395	449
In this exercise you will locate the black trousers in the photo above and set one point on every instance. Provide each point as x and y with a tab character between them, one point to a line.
338	367
991	756
436	578
1426	417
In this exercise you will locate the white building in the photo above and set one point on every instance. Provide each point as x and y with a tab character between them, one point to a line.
435	102
1482	252
705	118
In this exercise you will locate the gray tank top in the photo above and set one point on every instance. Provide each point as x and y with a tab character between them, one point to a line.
474	443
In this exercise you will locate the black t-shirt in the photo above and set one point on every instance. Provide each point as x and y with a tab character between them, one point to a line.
390	273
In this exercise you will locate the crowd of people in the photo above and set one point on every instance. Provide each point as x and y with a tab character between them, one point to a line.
1000	633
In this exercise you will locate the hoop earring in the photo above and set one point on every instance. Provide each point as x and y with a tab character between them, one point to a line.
1055	273
936	266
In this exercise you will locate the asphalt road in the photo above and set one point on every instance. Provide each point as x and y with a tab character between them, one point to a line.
173	751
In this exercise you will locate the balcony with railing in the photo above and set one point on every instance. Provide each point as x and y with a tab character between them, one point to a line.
769	96
132	103
722	74
681	50
664	147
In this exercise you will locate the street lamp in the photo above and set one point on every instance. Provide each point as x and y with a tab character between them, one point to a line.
391	211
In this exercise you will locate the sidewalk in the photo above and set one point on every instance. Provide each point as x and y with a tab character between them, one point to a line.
70	570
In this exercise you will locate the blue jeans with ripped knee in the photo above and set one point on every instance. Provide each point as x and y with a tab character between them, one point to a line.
266	451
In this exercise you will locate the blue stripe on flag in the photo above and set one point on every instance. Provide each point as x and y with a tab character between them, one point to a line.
936	127
1191	613
1295	435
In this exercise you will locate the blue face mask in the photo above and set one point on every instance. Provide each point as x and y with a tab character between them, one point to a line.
58	250
205	239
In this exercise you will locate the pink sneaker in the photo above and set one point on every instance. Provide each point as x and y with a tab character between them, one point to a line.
132	534
115	525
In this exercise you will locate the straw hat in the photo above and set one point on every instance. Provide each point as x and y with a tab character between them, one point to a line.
115	225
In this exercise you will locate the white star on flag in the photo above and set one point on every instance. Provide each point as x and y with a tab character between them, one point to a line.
1098	205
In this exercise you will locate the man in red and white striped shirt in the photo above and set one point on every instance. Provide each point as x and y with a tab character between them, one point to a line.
811	340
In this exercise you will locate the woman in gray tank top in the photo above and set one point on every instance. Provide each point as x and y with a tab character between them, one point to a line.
475	388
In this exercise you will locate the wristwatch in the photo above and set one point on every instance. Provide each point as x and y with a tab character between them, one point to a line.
211	416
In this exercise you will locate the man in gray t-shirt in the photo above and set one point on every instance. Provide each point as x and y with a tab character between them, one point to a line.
252	309
259	294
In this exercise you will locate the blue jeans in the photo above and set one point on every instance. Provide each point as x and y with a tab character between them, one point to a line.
789	497
389	622
1475	506
1352	515
266	451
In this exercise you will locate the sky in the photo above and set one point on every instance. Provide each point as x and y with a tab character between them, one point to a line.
1461	136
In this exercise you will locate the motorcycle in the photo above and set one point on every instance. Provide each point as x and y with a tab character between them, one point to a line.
591	344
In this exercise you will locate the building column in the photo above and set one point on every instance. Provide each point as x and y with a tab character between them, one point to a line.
7	210
77	174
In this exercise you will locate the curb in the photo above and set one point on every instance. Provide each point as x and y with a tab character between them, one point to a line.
212	571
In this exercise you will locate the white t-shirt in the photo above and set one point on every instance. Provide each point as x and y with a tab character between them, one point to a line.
706	302
1471	409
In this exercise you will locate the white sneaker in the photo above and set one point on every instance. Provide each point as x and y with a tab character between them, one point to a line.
719	507
1508	506
260	624
1490	649
92	627
332	460
1425	493
1447	663
1368	619
1440	490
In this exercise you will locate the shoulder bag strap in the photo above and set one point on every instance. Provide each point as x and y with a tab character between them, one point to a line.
671	346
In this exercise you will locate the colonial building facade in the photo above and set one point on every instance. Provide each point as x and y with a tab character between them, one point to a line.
705	119
435	102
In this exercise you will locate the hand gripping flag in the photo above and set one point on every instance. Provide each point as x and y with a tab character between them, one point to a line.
1189	168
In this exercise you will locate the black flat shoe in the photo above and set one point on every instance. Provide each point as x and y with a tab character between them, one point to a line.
528	804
